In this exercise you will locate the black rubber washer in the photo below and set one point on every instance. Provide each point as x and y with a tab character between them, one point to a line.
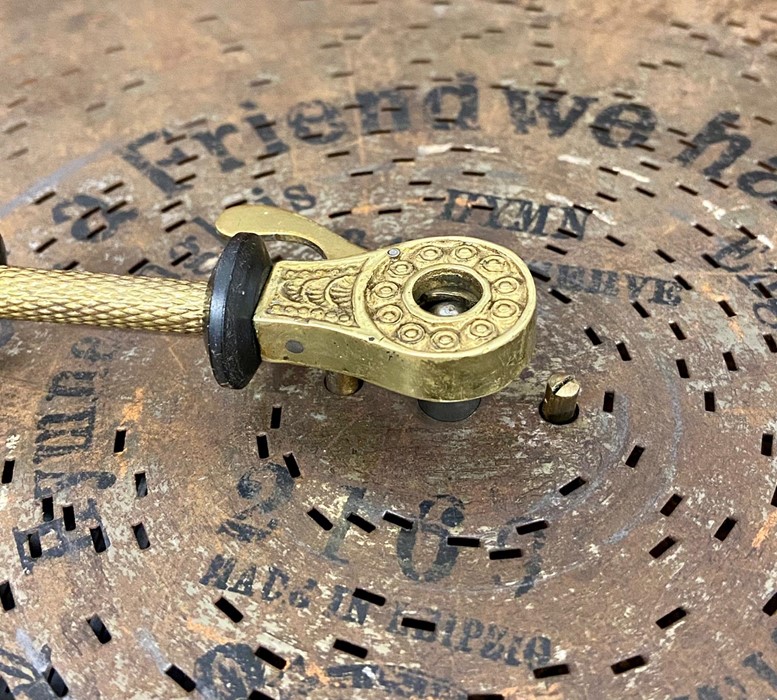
3	254
234	289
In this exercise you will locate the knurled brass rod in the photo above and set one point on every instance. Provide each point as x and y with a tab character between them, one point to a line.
144	303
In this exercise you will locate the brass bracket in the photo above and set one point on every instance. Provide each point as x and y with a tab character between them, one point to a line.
371	315
438	319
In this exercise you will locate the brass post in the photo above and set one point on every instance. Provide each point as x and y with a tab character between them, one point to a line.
560	403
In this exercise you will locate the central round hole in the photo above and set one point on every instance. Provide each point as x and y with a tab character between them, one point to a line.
447	292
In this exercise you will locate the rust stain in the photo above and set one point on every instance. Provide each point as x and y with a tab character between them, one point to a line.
366	209
766	528
131	414
134	409
209	633
317	672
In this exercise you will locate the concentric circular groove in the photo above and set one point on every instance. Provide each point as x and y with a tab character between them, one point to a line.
282	541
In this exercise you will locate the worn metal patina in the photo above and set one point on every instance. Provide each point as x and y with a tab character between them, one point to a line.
161	535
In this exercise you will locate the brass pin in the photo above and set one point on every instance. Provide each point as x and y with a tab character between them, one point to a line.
560	403
341	384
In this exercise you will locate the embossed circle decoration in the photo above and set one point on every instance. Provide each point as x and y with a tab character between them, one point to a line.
389	302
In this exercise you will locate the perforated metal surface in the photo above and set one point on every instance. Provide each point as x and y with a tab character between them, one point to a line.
160	535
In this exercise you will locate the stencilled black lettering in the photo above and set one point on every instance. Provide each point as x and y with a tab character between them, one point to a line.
265	129
519	215
574	278
71	384
524	115
453	106
383	110
93	218
213	142
64	433
716	132
761	184
316	122
437	533
55	541
624	125
133	153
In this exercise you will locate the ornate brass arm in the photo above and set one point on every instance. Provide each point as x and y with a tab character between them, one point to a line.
439	319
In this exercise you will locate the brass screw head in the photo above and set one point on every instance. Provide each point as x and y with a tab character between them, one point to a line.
560	403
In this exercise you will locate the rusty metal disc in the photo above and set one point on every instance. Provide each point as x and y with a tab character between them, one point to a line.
162	536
